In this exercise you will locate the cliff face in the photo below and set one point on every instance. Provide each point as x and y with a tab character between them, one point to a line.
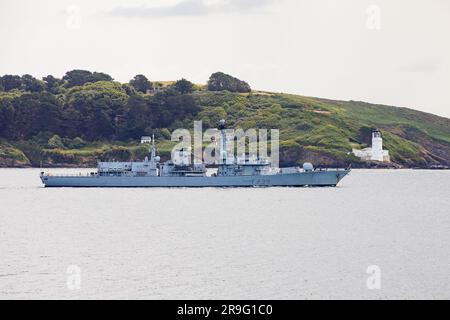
317	130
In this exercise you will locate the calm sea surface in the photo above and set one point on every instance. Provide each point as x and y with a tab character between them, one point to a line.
274	243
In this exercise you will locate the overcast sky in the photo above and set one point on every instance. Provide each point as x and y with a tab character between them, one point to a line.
395	52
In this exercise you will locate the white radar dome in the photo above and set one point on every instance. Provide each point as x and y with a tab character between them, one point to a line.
307	166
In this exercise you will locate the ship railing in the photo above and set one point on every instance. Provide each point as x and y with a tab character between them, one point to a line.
329	169
288	170
79	174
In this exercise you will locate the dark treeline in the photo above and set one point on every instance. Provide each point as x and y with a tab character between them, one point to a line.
92	106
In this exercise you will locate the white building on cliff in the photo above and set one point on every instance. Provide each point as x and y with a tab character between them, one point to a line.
374	153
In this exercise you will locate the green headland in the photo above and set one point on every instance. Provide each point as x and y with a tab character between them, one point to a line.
85	116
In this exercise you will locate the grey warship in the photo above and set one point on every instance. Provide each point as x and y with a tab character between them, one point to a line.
232	172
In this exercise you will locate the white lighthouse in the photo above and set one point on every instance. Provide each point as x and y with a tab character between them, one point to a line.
377	146
376	152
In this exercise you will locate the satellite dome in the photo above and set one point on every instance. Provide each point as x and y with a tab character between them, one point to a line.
307	166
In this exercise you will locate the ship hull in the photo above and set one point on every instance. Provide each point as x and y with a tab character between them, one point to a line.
300	179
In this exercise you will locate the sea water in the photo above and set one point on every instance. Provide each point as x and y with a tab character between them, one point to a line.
381	234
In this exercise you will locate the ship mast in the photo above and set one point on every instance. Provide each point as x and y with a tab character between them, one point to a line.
153	149
223	141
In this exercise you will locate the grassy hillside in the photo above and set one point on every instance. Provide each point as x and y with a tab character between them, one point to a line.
324	131
312	129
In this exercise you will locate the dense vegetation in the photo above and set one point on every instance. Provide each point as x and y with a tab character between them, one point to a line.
220	81
87	115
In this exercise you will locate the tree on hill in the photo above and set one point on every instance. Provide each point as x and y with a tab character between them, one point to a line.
6	118
80	77
100	76
52	84
183	86
219	81
26	82
77	143
23	116
141	83
77	77
129	89
169	106
94	110
31	84
10	82
137	118
55	142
